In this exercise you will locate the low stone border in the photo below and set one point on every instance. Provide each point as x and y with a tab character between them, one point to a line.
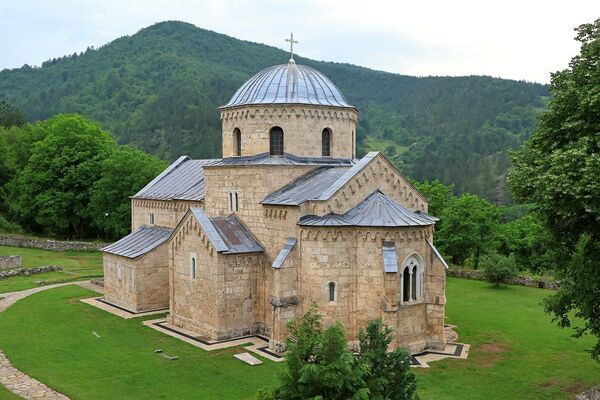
28	271
47	244
592	394
9	262
100	303
519	280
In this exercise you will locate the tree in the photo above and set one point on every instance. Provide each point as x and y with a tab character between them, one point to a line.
497	268
467	228
53	190
124	173
438	195
319	363
388	374
558	170
11	116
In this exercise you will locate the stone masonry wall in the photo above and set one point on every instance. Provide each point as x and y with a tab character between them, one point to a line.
47	244
7	262
302	126
221	302
140	284
353	260
167	213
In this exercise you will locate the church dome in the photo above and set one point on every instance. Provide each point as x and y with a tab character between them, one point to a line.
288	84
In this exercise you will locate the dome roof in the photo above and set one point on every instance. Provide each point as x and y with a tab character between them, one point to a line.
288	84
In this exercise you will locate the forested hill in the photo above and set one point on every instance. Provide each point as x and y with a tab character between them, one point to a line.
159	89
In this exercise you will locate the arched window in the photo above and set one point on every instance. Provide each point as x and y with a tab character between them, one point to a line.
331	291
276	141
237	142
326	142
193	266
412	279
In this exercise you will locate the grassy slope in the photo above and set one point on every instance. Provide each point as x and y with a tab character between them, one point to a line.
76	265
49	335
5	394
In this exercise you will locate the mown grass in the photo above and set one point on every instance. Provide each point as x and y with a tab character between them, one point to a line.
77	265
5	394
516	352
50	335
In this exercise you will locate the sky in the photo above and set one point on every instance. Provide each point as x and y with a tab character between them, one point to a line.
523	40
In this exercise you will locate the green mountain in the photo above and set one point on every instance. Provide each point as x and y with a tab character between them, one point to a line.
159	89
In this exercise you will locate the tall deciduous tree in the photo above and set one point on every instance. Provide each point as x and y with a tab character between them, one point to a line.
124	173
53	190
559	170
468	223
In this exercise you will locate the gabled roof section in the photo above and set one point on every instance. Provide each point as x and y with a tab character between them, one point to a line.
140	242
289	245
227	234
285	159
376	210
307	187
342	180
182	180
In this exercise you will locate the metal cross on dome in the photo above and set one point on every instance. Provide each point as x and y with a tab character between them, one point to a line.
292	41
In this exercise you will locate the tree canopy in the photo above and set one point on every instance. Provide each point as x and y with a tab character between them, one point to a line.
558	169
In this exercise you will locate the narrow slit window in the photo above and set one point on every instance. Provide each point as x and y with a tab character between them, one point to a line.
414	283
406	285
236	202
230	201
151	218
237	142
193	267
276	141
331	291
326	142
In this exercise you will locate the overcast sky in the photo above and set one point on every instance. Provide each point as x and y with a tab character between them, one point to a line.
525	39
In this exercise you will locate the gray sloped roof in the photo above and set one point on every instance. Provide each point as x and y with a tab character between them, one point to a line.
376	210
285	159
285	251
182	180
317	185
289	83
139	242
307	187
227	234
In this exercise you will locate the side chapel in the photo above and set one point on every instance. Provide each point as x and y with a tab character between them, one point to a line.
288	217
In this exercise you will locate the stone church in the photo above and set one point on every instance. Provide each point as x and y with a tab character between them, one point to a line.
288	217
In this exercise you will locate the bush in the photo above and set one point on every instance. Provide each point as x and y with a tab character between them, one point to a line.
498	268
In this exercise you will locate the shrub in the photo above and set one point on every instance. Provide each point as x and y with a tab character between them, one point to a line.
498	268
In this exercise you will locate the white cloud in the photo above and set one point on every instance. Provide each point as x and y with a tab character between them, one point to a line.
511	39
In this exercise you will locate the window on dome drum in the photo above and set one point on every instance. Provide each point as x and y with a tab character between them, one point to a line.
193	266
412	279
326	142
331	291
237	142
276	141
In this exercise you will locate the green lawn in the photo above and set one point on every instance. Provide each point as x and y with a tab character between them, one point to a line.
516	353
76	265
50	336
5	394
